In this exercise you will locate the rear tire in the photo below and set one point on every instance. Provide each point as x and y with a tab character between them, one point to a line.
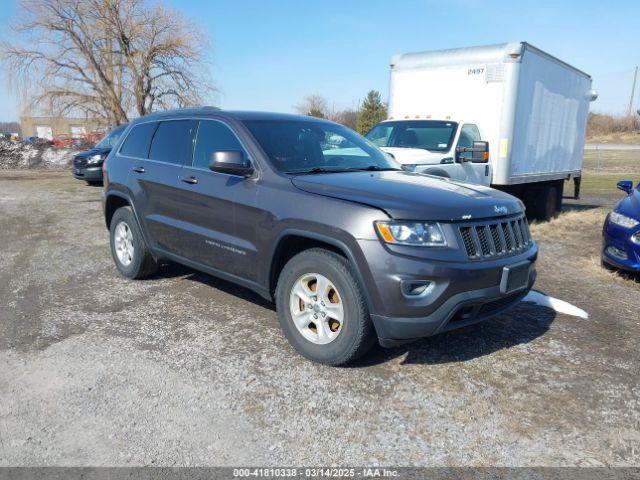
346	340
128	249
547	204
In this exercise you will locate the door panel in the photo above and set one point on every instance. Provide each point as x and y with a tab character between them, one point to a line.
158	187
207	218
214	217
156	181
472	172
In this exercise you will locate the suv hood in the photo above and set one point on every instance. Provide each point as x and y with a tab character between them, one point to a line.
415	155
412	196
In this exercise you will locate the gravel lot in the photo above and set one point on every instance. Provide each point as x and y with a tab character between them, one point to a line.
185	369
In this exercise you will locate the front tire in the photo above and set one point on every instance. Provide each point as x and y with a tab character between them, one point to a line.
321	308
128	249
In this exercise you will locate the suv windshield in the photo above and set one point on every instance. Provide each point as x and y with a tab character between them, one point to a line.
425	134
316	147
111	138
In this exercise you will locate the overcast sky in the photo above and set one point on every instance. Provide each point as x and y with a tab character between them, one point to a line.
269	54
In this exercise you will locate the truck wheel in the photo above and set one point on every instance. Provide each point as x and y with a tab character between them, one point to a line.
546	203
321	308
129	252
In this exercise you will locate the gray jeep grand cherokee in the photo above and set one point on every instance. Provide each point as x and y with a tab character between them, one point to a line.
310	214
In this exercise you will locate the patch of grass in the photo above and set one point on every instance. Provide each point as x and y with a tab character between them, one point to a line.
598	184
579	232
610	161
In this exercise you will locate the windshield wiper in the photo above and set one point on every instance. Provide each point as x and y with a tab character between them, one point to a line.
374	168
370	168
315	170
414	147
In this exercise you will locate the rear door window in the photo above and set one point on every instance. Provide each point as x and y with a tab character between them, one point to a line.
137	142
213	136
173	142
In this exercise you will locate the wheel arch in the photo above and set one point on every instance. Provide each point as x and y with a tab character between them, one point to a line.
291	242
115	200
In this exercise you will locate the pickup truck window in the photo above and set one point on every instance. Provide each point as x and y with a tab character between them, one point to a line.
316	147
431	135
213	136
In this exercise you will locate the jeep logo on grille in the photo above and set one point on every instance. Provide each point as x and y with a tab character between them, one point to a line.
501	209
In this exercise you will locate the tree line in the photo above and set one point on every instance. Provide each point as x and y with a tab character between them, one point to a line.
370	112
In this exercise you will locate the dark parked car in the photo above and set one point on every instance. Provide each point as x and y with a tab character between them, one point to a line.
349	246
621	232
87	165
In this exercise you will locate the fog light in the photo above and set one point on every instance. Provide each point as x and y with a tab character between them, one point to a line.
616	252
416	288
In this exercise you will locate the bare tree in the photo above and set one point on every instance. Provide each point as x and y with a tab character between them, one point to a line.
313	105
348	118
107	58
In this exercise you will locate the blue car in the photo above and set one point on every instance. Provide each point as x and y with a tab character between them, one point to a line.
621	232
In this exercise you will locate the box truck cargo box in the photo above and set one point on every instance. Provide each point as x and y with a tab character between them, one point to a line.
530	106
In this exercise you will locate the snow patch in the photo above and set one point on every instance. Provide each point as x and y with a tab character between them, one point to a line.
25	156
559	306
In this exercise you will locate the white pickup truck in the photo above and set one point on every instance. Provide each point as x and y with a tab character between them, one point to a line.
509	115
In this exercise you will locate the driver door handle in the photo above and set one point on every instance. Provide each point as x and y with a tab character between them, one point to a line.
139	170
190	180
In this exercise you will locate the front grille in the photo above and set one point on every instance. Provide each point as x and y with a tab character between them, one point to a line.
496	238
79	162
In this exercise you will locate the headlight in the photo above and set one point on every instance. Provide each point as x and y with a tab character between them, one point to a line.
635	238
622	220
412	233
95	158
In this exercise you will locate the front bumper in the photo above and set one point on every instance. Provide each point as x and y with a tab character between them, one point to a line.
619	239
458	311
464	292
90	174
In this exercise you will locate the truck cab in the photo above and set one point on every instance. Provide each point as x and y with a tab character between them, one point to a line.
445	148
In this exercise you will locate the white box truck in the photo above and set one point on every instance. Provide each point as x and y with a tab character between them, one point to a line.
529	106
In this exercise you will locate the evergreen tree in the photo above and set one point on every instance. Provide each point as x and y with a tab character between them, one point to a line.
373	112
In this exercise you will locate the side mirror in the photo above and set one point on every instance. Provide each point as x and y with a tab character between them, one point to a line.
231	162
626	186
479	152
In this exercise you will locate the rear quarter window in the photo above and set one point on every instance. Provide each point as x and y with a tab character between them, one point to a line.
138	141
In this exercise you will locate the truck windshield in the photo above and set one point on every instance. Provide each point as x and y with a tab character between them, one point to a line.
431	135
317	147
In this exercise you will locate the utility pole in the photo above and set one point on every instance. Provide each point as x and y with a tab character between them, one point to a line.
633	91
